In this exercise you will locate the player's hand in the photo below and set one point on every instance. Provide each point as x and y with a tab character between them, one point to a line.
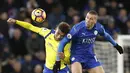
11	21
119	48
56	66
61	55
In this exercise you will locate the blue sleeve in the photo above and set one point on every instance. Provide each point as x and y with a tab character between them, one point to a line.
65	40
107	36
61	46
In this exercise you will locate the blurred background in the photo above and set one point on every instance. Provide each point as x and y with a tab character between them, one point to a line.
22	51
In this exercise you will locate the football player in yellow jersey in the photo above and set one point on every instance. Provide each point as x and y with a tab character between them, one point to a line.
52	38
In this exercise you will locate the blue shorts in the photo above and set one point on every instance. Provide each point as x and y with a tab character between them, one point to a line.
65	70
86	62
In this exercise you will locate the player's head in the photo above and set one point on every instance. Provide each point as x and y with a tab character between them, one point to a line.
91	18
62	29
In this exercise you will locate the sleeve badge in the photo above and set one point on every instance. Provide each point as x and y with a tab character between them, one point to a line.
69	36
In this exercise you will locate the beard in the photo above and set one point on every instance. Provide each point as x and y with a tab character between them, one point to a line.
90	26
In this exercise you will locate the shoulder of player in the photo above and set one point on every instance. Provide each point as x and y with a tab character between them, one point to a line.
99	25
79	25
46	30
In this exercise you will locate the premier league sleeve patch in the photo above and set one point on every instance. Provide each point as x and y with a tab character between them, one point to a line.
69	36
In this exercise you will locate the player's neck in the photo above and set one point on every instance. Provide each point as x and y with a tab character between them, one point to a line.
89	27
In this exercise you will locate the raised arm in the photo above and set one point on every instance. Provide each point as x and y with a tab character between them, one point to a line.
29	26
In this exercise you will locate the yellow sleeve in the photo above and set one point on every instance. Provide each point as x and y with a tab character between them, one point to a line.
67	53
42	31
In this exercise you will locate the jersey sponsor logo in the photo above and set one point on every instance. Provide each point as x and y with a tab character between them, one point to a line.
86	40
89	41
69	36
95	32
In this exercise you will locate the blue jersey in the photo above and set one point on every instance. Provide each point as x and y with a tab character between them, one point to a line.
83	38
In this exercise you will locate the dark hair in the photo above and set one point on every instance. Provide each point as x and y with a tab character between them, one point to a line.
93	12
64	27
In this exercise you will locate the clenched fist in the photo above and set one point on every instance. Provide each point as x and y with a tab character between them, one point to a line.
61	55
11	21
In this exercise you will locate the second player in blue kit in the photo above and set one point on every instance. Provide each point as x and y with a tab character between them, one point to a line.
83	36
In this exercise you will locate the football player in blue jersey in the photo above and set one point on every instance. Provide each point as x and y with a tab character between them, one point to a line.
83	36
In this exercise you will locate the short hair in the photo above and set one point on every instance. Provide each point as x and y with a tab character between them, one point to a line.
64	27
93	12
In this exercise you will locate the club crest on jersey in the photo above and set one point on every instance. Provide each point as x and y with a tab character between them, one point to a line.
69	36
50	44
95	32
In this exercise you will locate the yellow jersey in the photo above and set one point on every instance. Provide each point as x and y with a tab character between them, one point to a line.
51	44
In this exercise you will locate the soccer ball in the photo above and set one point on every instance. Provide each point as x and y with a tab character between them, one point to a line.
38	15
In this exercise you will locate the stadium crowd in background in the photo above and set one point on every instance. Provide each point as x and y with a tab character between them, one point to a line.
20	50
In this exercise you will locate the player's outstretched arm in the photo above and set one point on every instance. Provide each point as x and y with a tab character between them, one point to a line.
111	40
24	25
